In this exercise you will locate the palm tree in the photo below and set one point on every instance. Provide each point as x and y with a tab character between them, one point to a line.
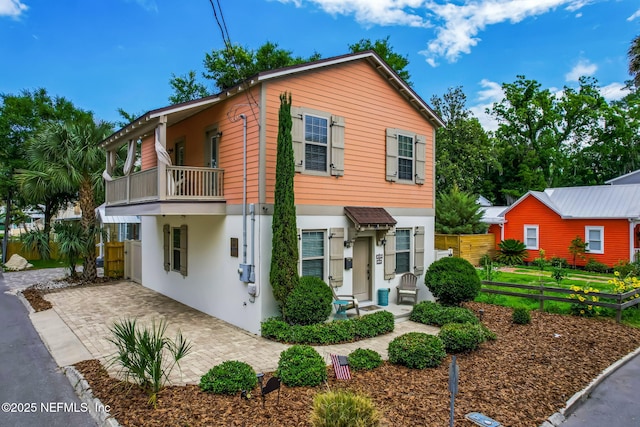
69	154
634	61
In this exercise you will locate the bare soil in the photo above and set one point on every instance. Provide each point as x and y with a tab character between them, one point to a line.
520	379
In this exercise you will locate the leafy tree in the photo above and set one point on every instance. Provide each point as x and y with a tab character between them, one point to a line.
464	152
539	133
578	248
71	243
71	157
634	60
20	117
186	88
284	255
458	213
384	49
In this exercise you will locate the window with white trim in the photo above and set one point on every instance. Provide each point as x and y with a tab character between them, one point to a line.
313	253
316	136
405	157
594	236
531	234
403	250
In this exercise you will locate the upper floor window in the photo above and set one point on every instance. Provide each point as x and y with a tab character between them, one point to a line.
531	236
318	142
316	136
594	236
406	157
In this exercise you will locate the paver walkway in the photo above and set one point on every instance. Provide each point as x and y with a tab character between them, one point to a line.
90	312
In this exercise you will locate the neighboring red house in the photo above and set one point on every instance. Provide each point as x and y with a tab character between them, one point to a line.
607	217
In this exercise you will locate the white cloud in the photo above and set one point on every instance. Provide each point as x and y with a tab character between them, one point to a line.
634	16
491	93
373	12
614	91
461	23
12	8
582	68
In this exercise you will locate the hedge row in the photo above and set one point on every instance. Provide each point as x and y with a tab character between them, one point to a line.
336	332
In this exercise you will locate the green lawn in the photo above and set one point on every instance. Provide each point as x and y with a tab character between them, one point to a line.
531	276
51	263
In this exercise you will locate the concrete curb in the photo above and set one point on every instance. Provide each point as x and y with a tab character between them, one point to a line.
96	408
25	302
580	397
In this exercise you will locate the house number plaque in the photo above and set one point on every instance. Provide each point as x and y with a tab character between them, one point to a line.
378	258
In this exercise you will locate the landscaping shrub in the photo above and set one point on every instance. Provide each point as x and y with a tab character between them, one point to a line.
343	408
596	267
489	335
368	326
417	350
556	261
461	337
309	302
143	354
512	252
452	281
521	316
362	358
431	313
301	365
626	268
229	377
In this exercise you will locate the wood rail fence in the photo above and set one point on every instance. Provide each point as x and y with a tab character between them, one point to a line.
623	301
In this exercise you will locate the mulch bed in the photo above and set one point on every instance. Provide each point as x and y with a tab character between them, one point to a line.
34	296
520	379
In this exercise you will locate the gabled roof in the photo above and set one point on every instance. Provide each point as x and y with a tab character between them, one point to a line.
145	124
600	201
629	178
493	214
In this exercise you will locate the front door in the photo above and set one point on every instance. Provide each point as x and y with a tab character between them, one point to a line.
362	269
211	150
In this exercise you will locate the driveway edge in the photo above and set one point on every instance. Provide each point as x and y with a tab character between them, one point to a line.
577	399
96	408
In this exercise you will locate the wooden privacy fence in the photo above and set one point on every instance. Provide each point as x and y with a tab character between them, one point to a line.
468	246
114	259
16	248
540	292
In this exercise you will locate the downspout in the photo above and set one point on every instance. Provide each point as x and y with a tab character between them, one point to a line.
252	274
245	269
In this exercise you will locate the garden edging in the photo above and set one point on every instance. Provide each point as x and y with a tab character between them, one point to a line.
580	397
94	405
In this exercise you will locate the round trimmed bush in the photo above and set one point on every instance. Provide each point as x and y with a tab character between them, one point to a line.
343	408
301	365
452	281
461	337
229	377
363	358
432	313
309	302
521	316
417	350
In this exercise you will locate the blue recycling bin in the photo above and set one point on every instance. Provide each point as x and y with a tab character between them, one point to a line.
383	296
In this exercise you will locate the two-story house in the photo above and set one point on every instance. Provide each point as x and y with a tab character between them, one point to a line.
364	186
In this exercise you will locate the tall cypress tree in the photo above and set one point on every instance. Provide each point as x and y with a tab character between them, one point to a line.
284	255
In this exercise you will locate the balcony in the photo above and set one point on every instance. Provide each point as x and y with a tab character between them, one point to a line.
183	183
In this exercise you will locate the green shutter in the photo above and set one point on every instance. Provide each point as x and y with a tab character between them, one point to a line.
183	250
297	135
336	256
390	255
337	146
166	231
418	251
392	155
420	159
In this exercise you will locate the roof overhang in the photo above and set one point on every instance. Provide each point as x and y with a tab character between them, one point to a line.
365	218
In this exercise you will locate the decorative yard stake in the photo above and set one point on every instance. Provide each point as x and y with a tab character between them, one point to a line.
453	387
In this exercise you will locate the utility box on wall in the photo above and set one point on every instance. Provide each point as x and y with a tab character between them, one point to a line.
348	263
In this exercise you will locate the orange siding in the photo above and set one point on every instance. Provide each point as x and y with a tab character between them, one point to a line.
148	153
369	105
556	234
495	230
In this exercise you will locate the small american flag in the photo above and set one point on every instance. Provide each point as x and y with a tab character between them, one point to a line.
341	367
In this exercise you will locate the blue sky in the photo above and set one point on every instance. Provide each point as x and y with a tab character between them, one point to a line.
106	54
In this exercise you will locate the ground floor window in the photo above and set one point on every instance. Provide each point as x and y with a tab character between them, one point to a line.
403	250
313	253
531	236
594	236
175	247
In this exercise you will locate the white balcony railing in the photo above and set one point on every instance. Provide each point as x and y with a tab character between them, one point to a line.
183	183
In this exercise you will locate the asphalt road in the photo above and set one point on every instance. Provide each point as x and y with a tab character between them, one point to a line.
33	390
613	403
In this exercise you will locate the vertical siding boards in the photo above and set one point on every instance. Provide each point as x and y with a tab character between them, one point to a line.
556	234
368	110
468	246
